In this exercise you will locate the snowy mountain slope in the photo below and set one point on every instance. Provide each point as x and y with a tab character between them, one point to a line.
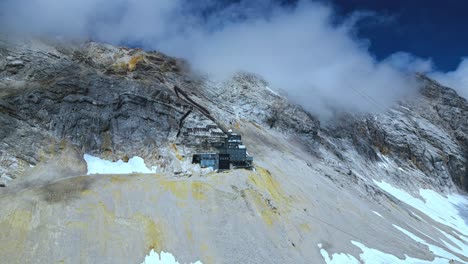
379	188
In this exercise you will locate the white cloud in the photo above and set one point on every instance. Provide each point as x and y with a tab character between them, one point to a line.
457	79
407	62
320	64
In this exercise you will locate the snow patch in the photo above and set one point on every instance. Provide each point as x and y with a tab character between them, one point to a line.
371	256
337	258
406	108
165	258
385	162
273	92
417	216
190	169
465	238
136	164
377	214
434	249
460	247
441	209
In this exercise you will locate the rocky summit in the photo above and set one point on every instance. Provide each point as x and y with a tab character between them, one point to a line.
388	187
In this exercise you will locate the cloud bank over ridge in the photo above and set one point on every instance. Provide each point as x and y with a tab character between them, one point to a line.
457	79
299	49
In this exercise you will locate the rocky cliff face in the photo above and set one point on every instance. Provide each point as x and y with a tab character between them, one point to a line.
59	101
93	97
117	102
427	133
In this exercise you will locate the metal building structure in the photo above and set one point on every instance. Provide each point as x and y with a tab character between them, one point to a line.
230	152
224	162
236	150
207	160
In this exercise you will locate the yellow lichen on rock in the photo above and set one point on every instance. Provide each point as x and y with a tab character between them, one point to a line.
178	188
121	178
120	67
108	223
268	195
268	214
132	63
198	191
263	180
207	258
176	152
15	231
77	225
188	231
305	227
117	195
88	192
182	189
153	232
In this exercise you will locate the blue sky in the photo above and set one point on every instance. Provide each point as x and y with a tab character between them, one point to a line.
424	28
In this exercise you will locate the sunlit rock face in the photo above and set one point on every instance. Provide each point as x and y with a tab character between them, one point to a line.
95	153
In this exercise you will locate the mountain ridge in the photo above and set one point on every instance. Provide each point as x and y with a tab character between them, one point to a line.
313	183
